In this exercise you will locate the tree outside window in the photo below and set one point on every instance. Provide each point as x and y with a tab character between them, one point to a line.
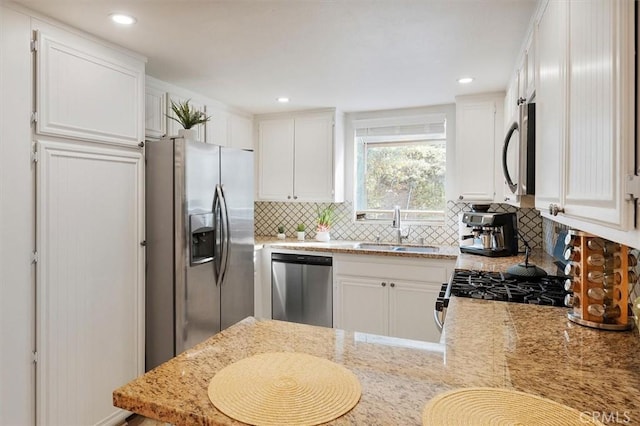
407	171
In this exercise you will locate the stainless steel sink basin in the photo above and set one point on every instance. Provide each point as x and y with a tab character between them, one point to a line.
417	249
375	246
397	247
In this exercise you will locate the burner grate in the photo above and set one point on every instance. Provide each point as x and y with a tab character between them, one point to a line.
486	285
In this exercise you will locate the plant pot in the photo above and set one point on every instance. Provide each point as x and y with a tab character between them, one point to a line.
188	133
300	235
323	236
282	236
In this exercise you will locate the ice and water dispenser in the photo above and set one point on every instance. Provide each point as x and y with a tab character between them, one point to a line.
201	230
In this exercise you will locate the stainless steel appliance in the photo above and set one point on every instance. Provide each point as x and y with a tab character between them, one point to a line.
302	289
519	156
492	234
199	236
498	286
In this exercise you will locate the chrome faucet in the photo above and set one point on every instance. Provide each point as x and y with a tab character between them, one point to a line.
397	225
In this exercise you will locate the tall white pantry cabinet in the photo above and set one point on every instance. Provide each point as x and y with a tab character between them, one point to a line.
87	180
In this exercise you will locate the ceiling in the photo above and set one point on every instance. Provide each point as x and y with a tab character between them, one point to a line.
356	55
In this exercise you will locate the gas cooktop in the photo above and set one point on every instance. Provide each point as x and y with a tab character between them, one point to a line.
499	286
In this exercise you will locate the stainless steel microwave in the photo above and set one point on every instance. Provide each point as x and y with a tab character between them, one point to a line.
519	151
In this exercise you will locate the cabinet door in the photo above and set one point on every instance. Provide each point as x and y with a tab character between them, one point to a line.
87	91
530	54
275	160
475	150
240	132
601	71
313	163
90	280
411	310
155	108
550	104
173	126
217	128
363	305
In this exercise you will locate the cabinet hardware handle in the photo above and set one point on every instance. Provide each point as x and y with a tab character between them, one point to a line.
460	197
295	197
384	284
392	284
141	144
554	209
288	197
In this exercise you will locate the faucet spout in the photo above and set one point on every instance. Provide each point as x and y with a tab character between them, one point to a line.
396	217
397	225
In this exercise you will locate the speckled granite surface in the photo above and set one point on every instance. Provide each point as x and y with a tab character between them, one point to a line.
523	347
444	252
501	264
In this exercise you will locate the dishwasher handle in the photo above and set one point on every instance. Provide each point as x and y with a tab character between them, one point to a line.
302	259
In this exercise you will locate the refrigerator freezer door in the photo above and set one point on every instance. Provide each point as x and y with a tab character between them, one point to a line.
237	286
197	296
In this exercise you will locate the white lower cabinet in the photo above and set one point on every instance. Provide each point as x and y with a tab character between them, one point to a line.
388	296
90	280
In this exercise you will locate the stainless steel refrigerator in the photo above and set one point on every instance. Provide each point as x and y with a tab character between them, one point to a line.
199	236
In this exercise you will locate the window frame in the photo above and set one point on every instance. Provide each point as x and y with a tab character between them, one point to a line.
401	117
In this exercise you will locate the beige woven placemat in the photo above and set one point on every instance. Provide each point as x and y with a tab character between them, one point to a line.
493	406
284	388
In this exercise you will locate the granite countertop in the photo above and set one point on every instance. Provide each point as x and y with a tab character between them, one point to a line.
528	348
349	247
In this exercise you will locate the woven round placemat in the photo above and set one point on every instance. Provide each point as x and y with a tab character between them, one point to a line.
491	407
284	388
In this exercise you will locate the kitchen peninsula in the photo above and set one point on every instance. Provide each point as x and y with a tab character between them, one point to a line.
528	348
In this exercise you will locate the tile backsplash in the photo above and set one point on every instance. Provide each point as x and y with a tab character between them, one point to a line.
269	215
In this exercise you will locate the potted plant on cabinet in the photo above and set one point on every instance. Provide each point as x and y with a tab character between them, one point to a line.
325	217
281	234
187	116
300	230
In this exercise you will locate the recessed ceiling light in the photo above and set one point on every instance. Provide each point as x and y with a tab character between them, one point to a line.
282	99
465	80
120	18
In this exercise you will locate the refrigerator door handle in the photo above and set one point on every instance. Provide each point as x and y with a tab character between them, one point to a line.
217	257
226	241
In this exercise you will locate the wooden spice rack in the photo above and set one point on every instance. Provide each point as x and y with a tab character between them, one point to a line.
612	278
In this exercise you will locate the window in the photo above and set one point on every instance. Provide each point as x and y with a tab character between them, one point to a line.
401	165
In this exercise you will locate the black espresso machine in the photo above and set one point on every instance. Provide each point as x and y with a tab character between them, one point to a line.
491	233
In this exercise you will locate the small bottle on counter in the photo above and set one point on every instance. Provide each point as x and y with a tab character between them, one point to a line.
597	293
600	244
608	280
572	301
572	269
572	254
604	311
571	285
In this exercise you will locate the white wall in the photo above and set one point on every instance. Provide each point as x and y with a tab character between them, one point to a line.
17	296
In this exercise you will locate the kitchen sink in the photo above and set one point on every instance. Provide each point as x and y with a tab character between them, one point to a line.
417	249
397	247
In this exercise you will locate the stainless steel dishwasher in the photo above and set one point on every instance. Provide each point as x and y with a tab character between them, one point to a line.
302	289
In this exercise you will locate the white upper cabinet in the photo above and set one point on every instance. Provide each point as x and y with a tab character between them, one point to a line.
530	55
240	131
479	130
229	129
86	90
300	158
275	159
586	122
155	108
550	104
